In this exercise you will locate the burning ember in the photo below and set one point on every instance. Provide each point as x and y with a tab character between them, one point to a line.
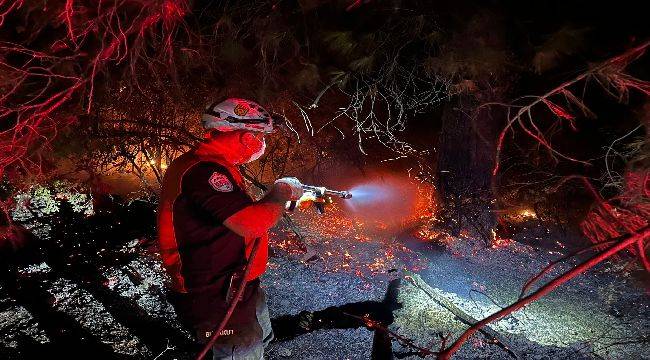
519	215
527	214
499	242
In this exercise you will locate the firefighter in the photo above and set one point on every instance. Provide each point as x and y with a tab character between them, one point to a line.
207	224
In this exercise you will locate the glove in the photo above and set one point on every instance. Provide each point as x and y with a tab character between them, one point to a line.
306	200
292	184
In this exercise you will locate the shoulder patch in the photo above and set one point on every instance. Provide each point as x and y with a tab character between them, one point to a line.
220	182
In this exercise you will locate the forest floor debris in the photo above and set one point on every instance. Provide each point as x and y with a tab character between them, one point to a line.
601	314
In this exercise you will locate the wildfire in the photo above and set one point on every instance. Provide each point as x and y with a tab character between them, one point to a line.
520	215
427	233
527	214
345	244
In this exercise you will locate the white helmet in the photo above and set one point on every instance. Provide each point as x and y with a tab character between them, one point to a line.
237	114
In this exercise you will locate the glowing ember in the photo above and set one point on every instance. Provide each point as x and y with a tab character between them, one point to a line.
520	215
499	242
346	244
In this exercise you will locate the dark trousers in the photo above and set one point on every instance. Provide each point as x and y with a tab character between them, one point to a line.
248	331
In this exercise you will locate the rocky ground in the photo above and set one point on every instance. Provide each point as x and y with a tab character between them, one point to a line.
115	306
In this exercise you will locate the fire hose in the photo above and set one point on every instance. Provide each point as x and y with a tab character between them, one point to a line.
317	192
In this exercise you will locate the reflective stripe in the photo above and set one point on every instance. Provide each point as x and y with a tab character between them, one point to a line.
171	188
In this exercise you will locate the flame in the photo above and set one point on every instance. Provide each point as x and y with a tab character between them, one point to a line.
499	242
528	214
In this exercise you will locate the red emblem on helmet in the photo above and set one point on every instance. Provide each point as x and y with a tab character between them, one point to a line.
240	109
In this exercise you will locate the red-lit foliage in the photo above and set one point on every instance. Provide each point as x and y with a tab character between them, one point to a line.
44	85
625	214
49	77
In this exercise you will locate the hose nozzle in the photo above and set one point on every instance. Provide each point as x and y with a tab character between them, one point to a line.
320	191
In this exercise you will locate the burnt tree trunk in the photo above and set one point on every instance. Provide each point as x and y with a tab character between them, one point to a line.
466	147
465	161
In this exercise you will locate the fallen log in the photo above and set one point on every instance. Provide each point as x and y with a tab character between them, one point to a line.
622	244
492	336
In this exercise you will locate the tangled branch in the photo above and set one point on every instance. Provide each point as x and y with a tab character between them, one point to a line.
377	109
563	103
42	83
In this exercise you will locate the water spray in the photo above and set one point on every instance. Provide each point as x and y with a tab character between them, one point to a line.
385	201
370	194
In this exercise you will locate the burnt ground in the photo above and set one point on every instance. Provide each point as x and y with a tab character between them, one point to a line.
603	314
110	303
